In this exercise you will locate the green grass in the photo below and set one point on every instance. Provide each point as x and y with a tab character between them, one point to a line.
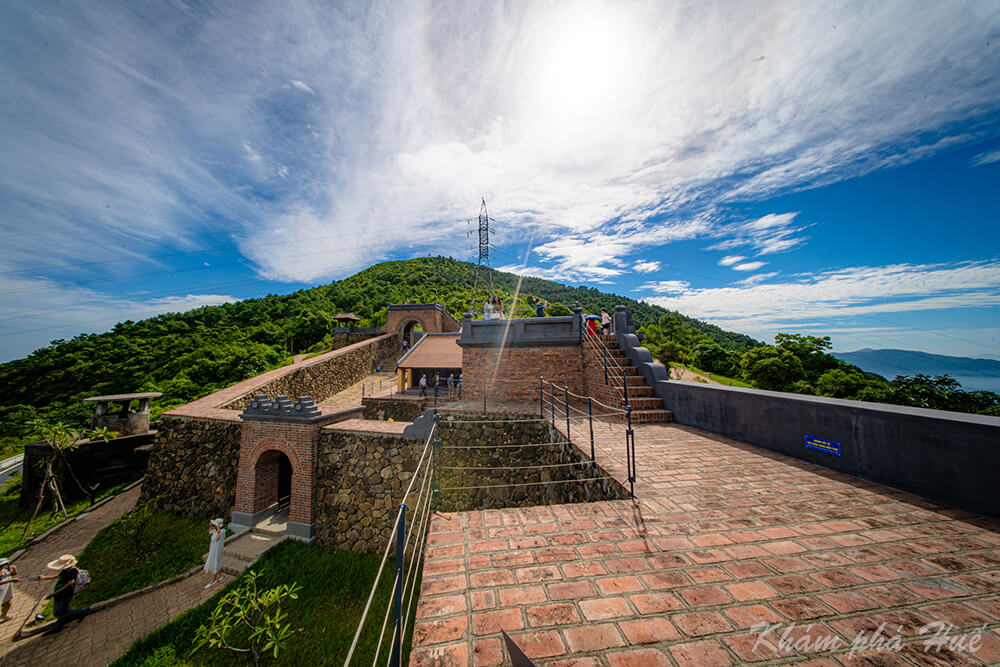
170	545
335	587
13	519
721	379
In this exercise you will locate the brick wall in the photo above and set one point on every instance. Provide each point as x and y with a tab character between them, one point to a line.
516	376
259	439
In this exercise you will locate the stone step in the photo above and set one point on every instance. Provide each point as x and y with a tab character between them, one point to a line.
251	545
233	566
650	403
652	416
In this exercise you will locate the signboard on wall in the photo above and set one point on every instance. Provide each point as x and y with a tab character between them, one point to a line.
823	445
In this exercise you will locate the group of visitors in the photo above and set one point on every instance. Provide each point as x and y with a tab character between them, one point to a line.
451	381
493	308
69	580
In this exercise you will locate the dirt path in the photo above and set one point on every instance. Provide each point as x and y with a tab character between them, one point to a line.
104	635
678	373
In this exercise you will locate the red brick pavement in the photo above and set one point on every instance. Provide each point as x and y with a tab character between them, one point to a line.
724	536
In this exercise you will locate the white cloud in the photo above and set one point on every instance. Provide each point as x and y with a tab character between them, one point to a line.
302	86
851	292
985	158
749	281
729	260
749	266
646	266
589	119
34	310
770	234
665	287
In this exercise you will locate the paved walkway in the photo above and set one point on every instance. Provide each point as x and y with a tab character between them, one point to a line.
104	635
724	536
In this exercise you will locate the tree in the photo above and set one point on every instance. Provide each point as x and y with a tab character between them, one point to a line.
61	439
839	383
771	368
241	622
710	356
811	351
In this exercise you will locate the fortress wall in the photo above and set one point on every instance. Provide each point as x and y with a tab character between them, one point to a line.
947	456
361	476
193	466
333	372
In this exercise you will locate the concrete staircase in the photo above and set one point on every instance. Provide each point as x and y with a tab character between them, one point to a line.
248	546
646	406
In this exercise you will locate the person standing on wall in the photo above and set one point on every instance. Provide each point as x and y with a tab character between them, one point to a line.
539	308
605	322
64	590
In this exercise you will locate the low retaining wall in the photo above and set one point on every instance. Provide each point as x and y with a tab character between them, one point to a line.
399	410
948	456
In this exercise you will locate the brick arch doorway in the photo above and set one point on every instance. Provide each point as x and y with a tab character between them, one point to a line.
273	477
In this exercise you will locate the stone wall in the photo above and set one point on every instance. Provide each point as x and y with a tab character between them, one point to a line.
494	448
327	376
360	480
361	476
193	466
397	409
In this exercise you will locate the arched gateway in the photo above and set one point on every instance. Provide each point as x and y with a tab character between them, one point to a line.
277	464
432	318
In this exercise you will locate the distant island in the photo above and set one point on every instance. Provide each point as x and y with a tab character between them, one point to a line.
973	373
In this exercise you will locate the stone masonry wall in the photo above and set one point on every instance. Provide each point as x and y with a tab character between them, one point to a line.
325	378
360	480
493	447
361	477
397	410
193	466
519	369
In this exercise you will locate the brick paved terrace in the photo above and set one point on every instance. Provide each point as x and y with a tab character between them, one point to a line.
723	536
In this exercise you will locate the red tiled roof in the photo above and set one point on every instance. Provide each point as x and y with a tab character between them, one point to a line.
434	351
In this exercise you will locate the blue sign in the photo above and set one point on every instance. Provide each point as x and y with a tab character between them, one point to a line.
823	445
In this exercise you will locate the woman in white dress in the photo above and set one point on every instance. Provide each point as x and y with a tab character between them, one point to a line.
213	564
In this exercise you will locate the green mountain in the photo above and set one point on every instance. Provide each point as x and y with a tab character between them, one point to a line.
188	355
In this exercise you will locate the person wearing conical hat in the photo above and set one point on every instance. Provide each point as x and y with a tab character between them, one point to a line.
63	592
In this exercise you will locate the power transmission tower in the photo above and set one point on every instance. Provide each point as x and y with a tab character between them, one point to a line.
484	254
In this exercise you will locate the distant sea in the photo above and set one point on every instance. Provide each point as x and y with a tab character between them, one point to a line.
972	383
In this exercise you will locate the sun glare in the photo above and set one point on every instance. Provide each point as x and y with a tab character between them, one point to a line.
585	71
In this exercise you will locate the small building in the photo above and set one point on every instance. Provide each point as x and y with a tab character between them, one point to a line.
122	420
433	354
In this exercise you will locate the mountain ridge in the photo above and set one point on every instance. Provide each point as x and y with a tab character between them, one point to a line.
890	362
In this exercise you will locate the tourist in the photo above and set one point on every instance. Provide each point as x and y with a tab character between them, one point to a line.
451	385
423	385
213	564
539	308
498	307
64	590
488	308
406	345
8	572
605	322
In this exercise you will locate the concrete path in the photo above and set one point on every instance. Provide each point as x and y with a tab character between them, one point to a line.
104	635
732	554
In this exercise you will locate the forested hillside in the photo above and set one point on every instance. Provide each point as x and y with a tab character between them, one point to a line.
188	355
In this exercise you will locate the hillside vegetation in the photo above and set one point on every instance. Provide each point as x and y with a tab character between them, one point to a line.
188	355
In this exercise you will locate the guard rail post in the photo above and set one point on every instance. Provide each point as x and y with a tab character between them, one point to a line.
397	594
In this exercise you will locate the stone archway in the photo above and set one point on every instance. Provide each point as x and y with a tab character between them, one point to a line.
432	317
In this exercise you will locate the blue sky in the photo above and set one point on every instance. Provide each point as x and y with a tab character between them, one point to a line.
824	168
